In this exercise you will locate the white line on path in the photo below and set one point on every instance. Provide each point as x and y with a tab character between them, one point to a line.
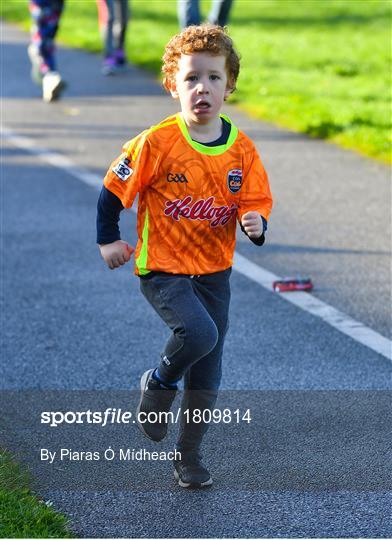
307	302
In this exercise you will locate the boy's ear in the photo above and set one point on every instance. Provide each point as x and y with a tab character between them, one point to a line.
228	91
173	89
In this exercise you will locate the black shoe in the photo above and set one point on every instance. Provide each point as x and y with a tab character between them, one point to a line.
191	474
154	399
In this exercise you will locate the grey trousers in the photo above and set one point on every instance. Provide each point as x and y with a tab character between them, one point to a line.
196	309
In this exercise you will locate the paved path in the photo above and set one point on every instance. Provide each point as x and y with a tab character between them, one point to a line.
315	459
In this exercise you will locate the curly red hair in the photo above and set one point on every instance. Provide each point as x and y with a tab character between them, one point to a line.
204	38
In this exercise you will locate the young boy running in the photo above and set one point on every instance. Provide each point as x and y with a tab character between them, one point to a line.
195	173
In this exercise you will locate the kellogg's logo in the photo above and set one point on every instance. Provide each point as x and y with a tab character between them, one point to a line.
202	209
234	180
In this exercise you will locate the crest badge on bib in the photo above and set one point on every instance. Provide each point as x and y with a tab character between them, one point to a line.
234	180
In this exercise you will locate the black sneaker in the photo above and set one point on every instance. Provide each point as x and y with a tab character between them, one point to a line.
191	474
154	399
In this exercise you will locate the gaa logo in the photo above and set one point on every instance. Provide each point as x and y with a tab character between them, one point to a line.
176	177
234	180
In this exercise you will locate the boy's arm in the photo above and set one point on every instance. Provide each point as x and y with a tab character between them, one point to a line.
256	199
122	182
109	207
114	251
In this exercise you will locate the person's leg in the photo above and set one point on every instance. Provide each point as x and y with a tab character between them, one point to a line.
194	335
188	12
201	382
220	11
107	22
121	15
45	17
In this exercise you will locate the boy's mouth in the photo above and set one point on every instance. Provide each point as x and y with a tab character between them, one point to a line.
201	105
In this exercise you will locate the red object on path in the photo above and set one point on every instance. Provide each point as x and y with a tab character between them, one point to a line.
292	284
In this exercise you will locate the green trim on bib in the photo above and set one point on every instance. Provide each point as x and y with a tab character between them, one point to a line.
208	150
141	261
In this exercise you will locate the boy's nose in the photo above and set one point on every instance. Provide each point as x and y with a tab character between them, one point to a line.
202	88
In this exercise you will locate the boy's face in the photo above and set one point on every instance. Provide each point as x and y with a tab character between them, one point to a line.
201	86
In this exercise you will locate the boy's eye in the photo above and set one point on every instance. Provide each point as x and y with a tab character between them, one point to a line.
214	77
192	78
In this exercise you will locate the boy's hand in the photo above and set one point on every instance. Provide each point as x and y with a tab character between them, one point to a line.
253	224
116	254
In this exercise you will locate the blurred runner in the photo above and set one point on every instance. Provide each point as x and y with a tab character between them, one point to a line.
113	21
189	12
45	18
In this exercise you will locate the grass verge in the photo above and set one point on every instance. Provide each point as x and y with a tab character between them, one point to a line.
23	514
316	67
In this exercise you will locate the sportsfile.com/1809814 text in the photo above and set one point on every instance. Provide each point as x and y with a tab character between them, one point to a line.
113	415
